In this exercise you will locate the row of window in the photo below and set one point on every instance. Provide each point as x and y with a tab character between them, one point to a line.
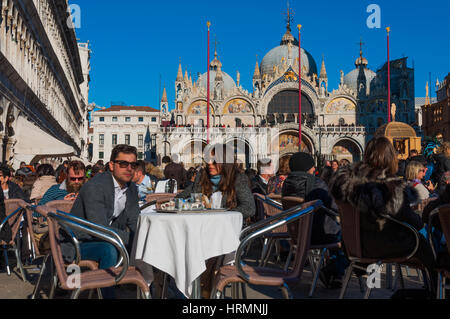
101	139
127	119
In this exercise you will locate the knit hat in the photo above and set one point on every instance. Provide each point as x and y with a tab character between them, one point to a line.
301	162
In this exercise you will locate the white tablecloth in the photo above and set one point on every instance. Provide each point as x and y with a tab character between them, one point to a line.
180	244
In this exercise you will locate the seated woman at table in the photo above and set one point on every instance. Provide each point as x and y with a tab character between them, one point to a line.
415	173
220	174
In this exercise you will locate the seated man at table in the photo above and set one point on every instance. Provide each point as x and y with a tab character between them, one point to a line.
111	200
69	189
142	180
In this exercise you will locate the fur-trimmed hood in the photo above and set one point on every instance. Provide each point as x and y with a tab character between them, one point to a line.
372	190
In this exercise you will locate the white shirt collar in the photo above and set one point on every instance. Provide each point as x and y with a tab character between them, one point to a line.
118	187
265	181
63	186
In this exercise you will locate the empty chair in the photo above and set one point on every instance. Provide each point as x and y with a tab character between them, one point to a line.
242	274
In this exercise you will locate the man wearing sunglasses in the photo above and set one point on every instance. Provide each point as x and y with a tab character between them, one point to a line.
69	189
111	200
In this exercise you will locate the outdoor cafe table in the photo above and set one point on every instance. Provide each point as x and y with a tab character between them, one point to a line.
180	244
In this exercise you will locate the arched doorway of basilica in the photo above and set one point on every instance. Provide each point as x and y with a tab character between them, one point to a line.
289	144
192	155
283	108
347	149
242	152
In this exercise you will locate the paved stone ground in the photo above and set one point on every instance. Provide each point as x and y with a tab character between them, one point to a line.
12	287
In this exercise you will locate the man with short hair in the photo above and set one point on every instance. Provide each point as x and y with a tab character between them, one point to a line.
110	200
68	189
260	181
10	190
142	180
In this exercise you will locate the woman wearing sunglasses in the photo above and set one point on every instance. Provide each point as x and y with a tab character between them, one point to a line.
415	173
221	174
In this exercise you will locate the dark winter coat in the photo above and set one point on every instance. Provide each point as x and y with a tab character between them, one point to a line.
177	172
326	229
374	194
5	234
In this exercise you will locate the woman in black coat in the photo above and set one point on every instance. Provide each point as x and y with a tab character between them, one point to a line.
374	189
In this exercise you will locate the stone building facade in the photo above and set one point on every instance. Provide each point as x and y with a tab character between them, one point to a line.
436	116
44	76
132	125
335	123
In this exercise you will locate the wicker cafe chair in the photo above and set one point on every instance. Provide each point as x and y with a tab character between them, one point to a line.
242	274
14	213
351	233
443	212
64	206
93	279
289	202
271	206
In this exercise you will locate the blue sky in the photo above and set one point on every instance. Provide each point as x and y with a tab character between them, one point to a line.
136	42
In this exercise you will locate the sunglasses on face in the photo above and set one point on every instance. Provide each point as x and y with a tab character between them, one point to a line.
125	164
76	179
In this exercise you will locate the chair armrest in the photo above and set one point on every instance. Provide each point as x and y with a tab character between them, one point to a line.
415	232
94	226
75	242
114	240
432	216
273	203
264	222
67	230
286	217
17	211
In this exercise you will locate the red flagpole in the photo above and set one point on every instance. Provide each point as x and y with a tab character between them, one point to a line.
208	85
389	75
299	88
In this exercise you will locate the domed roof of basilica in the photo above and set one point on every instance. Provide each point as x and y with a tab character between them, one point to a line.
351	79
228	81
275	56
215	70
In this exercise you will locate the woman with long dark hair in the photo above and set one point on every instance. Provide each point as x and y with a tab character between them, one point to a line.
221	174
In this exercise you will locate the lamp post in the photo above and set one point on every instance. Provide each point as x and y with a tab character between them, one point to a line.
299	87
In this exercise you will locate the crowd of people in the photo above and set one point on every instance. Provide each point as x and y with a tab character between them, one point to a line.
109	195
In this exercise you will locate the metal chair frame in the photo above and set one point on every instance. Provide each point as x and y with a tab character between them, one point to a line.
259	229
18	213
380	261
442	278
102	233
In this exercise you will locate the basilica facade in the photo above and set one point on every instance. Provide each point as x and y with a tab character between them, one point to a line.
335	123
